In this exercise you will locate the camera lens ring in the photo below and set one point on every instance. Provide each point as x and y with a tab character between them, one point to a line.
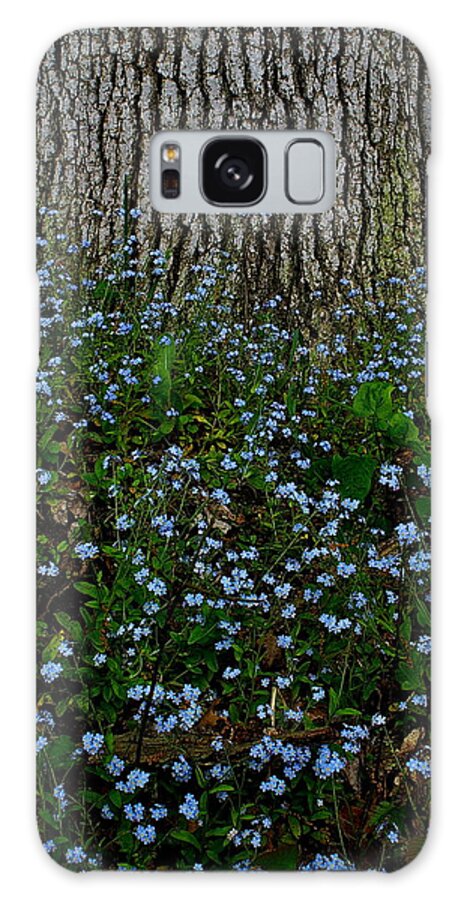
233	171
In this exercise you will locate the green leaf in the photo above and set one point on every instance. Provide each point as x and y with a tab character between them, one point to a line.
167	426
70	625
200	777
90	590
116	798
192	400
409	679
59	751
333	701
423	508
354	473
62	706
210	659
374	400
284	858
212	855
401	430
93	797
295	826
381	812
196	635
187	837
291	400
119	690
47	436
163	370
126	842
257	481
423	614
167	352
47	817
406	629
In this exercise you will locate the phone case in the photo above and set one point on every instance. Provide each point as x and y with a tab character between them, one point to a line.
233	464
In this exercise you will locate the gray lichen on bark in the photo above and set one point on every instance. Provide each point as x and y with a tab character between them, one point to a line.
103	93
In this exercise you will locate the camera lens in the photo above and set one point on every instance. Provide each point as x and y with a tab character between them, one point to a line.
233	171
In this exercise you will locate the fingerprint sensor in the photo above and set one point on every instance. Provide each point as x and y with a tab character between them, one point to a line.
305	171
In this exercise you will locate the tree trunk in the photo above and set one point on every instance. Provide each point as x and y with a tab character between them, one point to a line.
103	93
196	744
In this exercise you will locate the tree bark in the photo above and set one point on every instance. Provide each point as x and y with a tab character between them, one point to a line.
102	94
196	744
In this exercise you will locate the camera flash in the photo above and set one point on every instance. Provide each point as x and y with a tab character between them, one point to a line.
170	153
